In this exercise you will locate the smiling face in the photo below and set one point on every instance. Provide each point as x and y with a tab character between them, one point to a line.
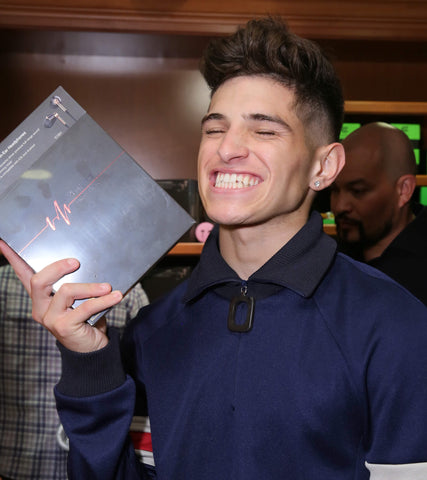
254	166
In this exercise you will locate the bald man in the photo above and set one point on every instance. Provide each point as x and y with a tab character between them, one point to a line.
371	200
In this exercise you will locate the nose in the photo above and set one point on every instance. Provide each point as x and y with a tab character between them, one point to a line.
233	146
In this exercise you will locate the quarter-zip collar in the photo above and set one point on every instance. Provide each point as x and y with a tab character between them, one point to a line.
299	265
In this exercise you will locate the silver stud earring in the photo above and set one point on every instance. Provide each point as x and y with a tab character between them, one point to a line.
317	184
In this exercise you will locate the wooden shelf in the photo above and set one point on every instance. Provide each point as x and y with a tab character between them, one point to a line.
391	108
330	228
422	180
186	248
336	19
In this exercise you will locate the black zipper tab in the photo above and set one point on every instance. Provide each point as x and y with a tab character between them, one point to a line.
243	298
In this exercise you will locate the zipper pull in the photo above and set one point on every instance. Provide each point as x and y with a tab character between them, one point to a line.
249	302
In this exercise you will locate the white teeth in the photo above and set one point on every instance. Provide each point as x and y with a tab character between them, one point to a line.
253	181
233	180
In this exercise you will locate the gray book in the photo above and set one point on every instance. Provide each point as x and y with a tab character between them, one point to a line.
67	189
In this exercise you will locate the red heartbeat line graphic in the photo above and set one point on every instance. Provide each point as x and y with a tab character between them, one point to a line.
66	208
59	213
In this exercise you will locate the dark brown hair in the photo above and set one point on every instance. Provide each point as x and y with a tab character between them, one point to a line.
266	47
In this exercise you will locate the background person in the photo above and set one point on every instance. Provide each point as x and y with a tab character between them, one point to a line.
30	367
371	199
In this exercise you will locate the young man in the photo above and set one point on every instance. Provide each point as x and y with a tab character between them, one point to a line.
278	358
371	198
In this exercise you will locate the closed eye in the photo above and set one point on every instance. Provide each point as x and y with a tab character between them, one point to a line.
266	132
212	131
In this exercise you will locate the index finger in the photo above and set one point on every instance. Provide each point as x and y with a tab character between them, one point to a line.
23	271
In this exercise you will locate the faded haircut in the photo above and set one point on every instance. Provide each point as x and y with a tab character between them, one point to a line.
266	47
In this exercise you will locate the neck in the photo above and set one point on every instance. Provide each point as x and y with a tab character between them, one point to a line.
247	248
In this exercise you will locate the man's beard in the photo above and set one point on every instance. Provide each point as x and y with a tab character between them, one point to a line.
356	248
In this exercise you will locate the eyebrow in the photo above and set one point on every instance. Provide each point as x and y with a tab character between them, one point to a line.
259	117
212	116
262	117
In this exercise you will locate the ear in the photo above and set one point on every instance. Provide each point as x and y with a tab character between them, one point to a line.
329	161
405	188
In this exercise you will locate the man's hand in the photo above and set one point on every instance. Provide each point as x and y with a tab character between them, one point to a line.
54	312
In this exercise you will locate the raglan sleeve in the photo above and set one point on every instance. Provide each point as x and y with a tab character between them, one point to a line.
396	382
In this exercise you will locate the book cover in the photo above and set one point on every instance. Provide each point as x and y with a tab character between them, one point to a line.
67	189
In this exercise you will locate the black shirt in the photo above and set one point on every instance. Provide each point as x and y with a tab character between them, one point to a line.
405	259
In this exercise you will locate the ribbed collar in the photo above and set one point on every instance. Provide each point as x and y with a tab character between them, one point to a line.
299	265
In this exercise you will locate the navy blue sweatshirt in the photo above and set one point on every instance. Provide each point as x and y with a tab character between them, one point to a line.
332	374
